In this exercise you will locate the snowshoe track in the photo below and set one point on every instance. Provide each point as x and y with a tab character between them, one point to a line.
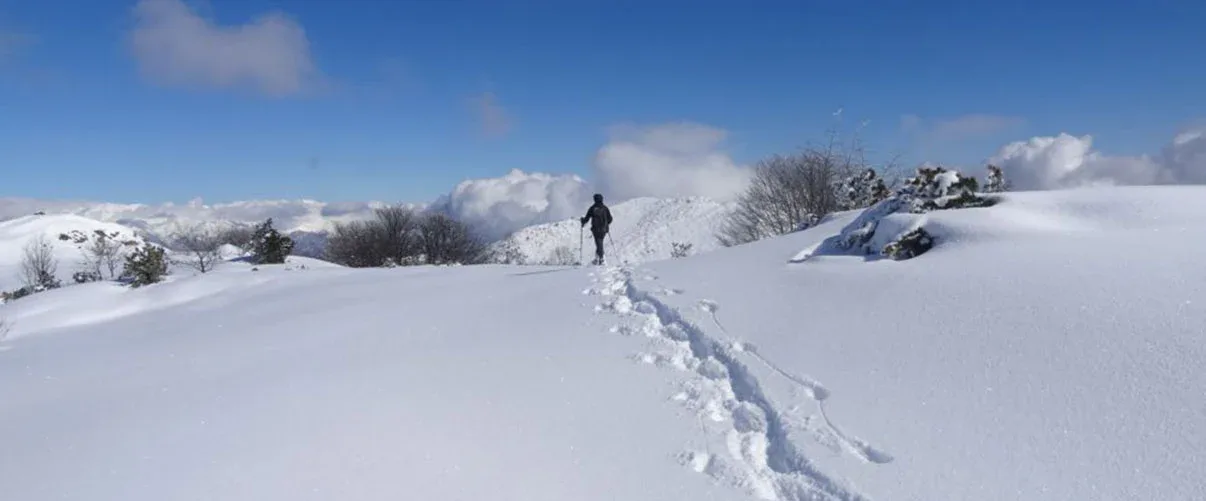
761	458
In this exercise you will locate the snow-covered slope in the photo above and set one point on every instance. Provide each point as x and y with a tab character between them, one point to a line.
644	229
16	233
309	216
1049	348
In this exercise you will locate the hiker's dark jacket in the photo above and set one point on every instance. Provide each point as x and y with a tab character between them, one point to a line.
600	218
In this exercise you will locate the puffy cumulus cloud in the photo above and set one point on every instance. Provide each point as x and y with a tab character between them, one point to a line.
176	46
501	205
670	160
673	160
1185	156
1067	161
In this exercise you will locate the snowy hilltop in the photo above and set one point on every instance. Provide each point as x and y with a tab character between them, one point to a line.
645	229
938	345
301	218
67	240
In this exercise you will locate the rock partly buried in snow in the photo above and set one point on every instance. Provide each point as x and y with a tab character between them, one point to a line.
909	245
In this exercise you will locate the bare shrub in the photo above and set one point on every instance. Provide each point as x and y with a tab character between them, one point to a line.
203	246
391	238
785	193
445	240
398	233
239	236
790	192
355	244
38	264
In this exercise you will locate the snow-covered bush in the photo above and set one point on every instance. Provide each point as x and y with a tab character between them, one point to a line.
996	181
508	252
680	249
561	256
83	277
936	188
863	189
909	245
933	188
146	265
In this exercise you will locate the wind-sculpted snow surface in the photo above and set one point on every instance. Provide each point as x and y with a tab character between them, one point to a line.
762	455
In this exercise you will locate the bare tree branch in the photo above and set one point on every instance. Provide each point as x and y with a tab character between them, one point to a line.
202	244
38	265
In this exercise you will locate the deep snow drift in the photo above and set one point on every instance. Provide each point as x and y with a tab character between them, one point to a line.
1049	347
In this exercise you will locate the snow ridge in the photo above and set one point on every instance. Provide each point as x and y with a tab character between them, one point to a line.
764	459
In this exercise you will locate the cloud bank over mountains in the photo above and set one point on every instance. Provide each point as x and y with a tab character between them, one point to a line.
663	160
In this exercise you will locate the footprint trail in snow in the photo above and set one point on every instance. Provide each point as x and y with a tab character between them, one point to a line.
813	389
762	457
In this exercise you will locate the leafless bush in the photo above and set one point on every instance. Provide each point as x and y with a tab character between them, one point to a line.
398	230
392	238
239	236
202	245
104	252
38	265
356	244
785	193
789	192
445	240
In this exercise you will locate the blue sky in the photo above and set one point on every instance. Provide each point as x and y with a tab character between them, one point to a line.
407	98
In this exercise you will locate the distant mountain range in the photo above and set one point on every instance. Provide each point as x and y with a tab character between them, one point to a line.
645	228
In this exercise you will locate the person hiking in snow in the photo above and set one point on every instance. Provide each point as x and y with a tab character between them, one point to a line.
600	223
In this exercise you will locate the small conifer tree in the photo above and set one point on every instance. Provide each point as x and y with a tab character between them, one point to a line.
996	182
146	265
269	246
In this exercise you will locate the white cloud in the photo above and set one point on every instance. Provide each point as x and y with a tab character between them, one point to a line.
176	46
491	115
669	160
1067	161
498	206
960	128
287	215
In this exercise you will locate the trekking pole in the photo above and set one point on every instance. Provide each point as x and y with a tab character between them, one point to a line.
611	243
580	237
